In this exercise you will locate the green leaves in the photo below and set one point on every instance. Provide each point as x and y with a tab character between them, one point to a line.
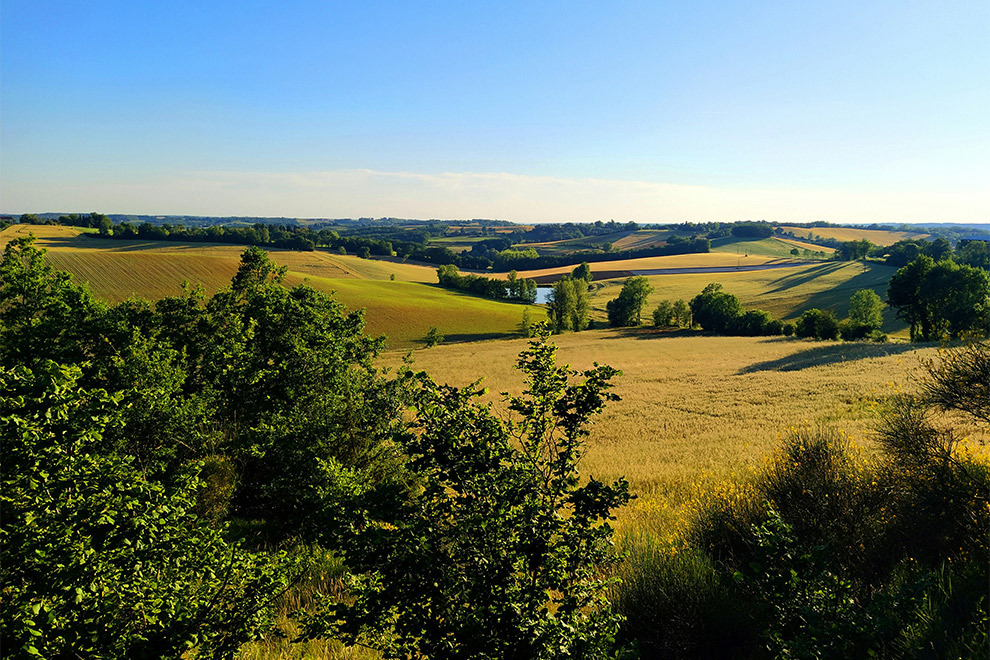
98	561
499	551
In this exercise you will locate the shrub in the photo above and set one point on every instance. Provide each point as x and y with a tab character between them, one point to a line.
850	330
714	309
434	337
757	323
677	604
99	561
817	323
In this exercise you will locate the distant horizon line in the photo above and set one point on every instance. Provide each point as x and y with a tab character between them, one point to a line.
6	214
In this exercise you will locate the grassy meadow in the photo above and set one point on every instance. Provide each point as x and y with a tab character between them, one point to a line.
767	247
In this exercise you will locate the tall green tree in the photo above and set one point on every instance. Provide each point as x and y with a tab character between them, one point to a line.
943	299
627	309
714	309
866	309
904	293
569	306
583	272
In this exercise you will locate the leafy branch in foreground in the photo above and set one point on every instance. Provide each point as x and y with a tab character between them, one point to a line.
98	560
501	552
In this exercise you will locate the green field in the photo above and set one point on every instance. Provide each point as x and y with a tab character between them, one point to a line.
403	309
784	292
767	247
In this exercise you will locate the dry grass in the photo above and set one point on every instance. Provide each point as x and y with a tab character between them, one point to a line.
875	236
694	408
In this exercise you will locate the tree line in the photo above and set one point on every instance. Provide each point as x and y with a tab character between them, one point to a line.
511	288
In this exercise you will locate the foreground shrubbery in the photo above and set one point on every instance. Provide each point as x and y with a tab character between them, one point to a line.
830	553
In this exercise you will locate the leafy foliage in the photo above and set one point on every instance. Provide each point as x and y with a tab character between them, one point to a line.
715	310
942	299
500	553
569	306
98	561
434	337
817	324
838	555
866	309
626	310
672	314
275	383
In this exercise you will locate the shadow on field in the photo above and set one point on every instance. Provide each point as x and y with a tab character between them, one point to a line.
472	336
827	354
876	277
646	332
797	279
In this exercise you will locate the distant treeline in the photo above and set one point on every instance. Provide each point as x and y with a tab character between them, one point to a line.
291	237
523	290
388	241
529	259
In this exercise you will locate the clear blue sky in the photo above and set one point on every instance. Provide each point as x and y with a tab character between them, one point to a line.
840	110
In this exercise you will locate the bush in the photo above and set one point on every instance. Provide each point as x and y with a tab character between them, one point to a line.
878	337
757	323
850	330
706	617
434	337
714	309
99	561
817	323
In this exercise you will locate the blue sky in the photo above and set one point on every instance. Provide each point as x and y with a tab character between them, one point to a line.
650	111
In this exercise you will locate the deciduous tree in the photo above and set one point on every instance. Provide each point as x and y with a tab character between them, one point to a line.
502	552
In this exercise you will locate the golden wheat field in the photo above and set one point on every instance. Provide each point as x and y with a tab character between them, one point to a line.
696	260
875	236
697	408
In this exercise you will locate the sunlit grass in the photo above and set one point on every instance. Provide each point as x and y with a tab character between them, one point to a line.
699	410
875	236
